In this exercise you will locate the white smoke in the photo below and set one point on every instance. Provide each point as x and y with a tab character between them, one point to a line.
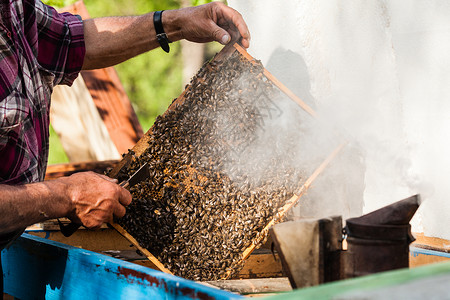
378	71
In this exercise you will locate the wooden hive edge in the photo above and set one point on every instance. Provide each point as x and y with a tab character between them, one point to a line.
144	251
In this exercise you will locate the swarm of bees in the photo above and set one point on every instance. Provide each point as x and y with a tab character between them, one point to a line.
201	206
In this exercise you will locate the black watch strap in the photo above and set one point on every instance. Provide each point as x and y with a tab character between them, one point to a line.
160	34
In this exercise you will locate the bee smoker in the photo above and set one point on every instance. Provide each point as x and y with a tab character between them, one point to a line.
379	241
311	249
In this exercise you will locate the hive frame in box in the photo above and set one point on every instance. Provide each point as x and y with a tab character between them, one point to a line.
142	145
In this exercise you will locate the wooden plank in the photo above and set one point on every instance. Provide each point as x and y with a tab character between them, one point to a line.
253	286
93	240
261	264
146	263
59	170
433	243
35	268
419	256
428	250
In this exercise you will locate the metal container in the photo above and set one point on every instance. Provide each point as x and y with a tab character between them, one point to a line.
379	241
376	248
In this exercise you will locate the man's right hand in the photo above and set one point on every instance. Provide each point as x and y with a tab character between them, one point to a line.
94	199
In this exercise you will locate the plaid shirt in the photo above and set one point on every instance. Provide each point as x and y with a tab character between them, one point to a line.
39	48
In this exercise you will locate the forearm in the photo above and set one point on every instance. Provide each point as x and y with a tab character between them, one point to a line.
24	205
112	40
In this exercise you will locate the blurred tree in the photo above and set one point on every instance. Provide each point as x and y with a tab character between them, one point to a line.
199	2
58	3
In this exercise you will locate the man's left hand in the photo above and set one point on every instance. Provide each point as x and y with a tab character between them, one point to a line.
209	22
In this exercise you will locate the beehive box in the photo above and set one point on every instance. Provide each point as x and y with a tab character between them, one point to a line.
223	169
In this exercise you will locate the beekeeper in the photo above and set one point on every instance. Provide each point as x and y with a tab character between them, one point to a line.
41	48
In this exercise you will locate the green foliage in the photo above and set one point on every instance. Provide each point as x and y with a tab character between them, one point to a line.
199	2
56	152
58	3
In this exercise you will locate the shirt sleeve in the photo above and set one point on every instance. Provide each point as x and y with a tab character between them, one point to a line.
60	43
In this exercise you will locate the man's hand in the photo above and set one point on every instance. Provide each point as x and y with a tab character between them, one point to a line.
205	23
86	198
95	199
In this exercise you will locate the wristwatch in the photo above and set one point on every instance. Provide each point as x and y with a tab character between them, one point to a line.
160	34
